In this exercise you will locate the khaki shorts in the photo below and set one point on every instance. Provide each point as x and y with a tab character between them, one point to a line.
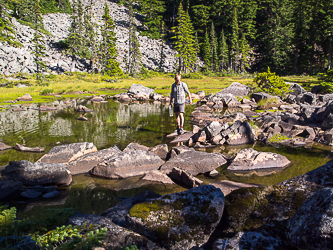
179	108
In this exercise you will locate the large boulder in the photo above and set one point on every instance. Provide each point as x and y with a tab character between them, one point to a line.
261	96
228	100
181	220
250	159
127	164
213	129
160	150
157	176
116	236
312	225
236	88
38	173
25	98
68	152
87	162
194	162
181	176
135	146
139	89
178	150
296	89
242	134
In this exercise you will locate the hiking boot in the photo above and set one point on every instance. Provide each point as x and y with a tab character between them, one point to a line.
181	131
178	131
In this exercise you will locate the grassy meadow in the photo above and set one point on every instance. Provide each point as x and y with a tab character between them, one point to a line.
84	84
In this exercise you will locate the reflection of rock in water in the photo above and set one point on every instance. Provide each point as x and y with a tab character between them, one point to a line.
61	127
125	112
56	201
258	172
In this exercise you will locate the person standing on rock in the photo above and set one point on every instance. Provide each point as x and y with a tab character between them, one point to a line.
178	90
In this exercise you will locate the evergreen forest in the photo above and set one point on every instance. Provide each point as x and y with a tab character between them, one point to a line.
289	37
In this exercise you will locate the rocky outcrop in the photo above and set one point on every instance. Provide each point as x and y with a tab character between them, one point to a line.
127	164
14	60
194	162
181	220
250	159
67	153
38	173
139	89
87	162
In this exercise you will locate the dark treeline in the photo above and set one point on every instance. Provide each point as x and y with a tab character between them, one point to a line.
289	36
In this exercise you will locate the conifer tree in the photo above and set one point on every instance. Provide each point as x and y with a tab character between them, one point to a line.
162	53
91	35
76	39
39	49
213	49
206	52
197	51
184	41
107	50
244	54
7	32
134	54
223	52
234	52
153	12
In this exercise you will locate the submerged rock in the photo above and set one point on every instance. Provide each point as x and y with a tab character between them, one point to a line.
250	159
68	152
127	164
194	162
38	173
181	220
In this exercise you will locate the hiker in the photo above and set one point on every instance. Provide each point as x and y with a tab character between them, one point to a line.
178	90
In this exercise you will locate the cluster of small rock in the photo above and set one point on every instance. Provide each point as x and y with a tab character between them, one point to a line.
14	60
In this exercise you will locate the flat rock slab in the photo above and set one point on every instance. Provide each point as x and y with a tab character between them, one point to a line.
38	173
183	137
174	134
250	159
27	149
157	176
47	108
67	153
87	162
3	146
135	146
194	162
228	186
128	164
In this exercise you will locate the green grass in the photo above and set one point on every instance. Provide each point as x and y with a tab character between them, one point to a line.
70	84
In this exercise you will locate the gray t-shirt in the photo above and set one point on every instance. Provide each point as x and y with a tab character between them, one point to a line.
178	92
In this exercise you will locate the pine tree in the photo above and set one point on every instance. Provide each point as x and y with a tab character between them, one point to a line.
223	52
91	35
39	49
234	52
197	51
184	41
206	53
134	54
107	53
162	53
244	54
76	40
213	49
153	12
7	32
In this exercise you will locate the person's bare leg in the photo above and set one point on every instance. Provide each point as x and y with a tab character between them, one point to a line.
178	119
181	120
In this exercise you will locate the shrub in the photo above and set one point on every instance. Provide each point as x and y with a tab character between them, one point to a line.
46	91
194	75
327	84
270	83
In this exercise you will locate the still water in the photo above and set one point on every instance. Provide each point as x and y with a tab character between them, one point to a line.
114	123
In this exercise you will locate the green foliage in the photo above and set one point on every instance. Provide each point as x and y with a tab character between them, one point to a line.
270	83
194	75
278	138
130	247
206	52
60	238
46	91
327	82
107	52
142	210
223	52
184	41
213	49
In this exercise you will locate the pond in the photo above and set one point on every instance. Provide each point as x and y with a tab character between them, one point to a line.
113	123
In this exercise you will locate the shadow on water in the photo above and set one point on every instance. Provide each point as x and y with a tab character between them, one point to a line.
114	123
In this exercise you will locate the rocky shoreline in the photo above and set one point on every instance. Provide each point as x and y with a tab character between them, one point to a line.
292	214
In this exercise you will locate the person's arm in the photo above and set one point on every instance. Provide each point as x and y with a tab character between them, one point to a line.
187	92
171	95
